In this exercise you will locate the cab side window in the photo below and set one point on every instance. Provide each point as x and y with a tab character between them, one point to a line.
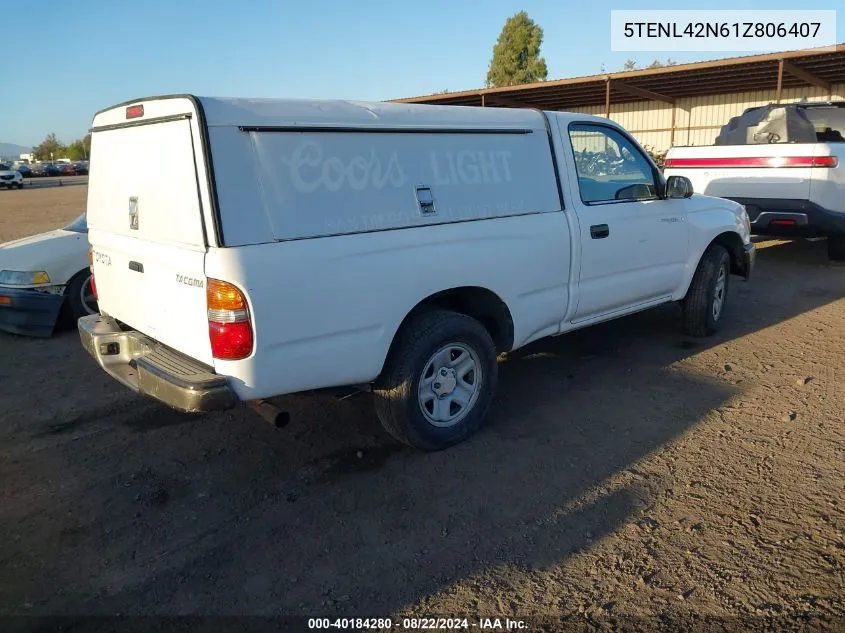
610	168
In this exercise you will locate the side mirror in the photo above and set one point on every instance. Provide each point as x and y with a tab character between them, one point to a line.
678	187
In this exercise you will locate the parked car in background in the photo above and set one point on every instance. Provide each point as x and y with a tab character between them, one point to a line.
51	169
393	248
67	169
24	170
784	162
80	169
43	276
10	178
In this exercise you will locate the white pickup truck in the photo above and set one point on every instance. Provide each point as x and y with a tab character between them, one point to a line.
283	246
791	180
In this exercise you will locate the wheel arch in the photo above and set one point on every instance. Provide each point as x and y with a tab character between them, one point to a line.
732	242
74	276
482	304
735	247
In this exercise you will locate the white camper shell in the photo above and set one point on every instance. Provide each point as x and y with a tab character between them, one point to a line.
244	249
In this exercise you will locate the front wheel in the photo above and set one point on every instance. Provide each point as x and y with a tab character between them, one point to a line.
707	297
438	381
80	296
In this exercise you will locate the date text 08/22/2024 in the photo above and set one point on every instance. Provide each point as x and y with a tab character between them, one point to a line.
420	624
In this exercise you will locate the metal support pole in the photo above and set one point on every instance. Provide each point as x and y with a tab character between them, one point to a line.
672	132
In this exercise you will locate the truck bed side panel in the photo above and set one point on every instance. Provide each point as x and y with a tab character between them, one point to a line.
326	310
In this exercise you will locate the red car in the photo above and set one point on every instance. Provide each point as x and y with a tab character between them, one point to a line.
67	170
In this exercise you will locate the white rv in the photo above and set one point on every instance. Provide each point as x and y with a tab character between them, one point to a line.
282	246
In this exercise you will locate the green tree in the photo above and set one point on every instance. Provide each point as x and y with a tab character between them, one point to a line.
630	64
516	55
80	149
49	148
75	151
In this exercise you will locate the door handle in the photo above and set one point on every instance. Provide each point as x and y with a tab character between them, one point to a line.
599	231
138	267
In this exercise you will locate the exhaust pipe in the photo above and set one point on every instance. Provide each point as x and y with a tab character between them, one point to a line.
270	412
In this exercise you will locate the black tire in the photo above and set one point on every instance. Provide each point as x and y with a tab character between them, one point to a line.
75	306
700	317
836	248
397	391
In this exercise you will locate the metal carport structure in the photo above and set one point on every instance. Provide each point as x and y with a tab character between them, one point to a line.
814	74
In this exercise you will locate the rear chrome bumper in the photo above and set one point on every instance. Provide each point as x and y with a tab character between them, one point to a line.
150	368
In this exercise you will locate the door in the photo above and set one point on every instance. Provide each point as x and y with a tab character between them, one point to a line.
633	244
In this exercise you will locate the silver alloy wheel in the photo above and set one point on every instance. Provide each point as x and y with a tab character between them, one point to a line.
86	296
450	384
719	293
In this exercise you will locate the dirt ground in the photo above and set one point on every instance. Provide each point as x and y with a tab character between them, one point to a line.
41	206
629	477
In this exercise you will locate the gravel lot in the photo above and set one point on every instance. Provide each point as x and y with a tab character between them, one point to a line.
629	476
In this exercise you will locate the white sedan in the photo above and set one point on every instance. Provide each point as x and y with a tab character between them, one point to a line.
10	178
44	275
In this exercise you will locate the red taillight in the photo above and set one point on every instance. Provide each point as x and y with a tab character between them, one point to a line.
91	268
230	341
134	112
825	161
783	223
229	327
753	161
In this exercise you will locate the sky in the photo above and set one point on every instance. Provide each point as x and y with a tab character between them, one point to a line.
63	61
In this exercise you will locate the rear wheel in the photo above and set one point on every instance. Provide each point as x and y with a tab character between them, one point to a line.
706	299
438	381
80	296
836	247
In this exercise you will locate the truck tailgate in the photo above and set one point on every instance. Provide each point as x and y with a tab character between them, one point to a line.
776	170
146	230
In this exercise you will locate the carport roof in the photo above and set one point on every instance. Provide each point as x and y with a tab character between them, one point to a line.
774	71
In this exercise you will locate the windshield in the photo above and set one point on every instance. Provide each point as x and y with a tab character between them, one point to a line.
79	225
829	123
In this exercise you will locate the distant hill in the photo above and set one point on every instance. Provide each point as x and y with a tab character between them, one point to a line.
10	150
